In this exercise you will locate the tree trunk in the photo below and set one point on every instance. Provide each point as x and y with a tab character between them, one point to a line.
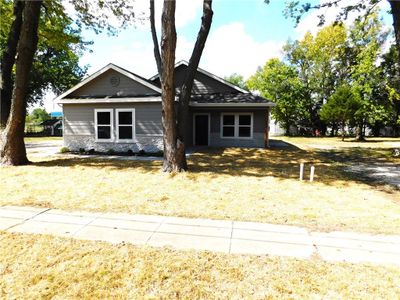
7	63
186	89
168	46
360	133
395	6
343	128
13	151
174	128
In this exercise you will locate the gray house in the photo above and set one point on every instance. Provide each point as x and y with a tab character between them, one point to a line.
120	110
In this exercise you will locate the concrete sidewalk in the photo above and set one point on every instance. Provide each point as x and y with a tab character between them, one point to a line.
203	234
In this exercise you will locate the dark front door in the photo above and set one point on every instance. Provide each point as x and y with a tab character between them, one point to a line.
201	130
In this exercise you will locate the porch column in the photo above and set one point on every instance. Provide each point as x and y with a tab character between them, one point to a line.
266	130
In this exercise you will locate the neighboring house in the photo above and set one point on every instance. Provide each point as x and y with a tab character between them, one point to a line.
117	109
52	127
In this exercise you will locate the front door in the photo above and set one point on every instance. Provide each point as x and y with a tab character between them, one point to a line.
201	130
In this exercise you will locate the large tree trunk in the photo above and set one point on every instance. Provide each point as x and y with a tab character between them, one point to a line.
168	46
186	89
7	63
175	128
13	151
395	6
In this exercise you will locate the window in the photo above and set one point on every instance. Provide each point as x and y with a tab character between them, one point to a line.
125	125
237	125
104	125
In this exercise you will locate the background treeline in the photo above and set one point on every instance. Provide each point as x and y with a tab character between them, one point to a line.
341	80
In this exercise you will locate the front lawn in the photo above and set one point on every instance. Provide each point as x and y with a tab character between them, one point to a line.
43	267
238	184
41	139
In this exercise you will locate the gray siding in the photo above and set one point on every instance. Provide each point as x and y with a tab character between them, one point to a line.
101	86
259	122
79	131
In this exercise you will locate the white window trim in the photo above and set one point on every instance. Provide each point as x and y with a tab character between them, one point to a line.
236	125
111	125
194	126
132	110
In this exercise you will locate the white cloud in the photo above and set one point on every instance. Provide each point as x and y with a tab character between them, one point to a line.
230	49
311	21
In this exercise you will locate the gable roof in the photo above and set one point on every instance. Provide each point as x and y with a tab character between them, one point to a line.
204	72
116	68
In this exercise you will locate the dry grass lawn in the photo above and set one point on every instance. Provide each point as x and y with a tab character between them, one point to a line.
41	139
43	267
241	184
336	142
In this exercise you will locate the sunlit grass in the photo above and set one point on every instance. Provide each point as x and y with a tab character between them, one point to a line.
43	267
40	139
238	184
337	143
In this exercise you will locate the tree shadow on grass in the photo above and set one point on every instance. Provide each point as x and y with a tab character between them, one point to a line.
281	161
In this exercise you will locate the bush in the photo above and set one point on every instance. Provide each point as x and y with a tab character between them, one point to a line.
64	150
159	153
91	152
142	153
81	150
130	152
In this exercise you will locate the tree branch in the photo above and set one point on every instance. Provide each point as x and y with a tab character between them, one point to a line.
155	39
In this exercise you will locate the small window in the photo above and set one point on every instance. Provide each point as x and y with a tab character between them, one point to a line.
244	125
239	125
228	125
125	125
104	125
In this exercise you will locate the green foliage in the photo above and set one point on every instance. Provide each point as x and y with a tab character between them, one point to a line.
282	84
56	63
64	150
325	63
237	80
38	115
342	107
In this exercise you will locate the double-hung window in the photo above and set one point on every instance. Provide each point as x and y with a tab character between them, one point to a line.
237	125
104	125
125	125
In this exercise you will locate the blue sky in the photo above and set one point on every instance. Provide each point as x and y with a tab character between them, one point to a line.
243	36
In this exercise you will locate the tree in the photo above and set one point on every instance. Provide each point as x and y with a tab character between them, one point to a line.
318	60
56	63
8	57
282	84
175	123
296	9
12	147
341	107
366	39
13	150
391	87
39	115
237	80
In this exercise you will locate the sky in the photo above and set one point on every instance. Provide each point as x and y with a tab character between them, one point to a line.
243	36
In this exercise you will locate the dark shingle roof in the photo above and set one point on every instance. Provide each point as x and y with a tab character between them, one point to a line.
229	98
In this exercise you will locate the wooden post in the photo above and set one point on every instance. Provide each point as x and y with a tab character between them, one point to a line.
266	131
312	173
301	171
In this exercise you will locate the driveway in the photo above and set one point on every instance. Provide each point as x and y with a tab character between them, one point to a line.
43	149
386	173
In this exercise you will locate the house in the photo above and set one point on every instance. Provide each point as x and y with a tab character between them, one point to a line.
52	127
120	110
